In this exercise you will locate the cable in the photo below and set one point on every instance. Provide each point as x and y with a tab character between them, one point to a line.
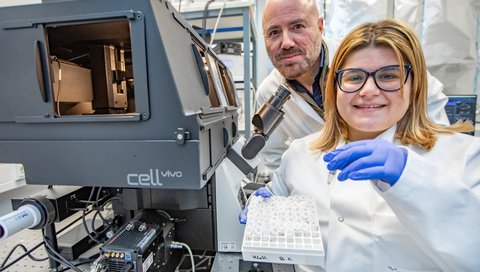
78	264
98	208
178	245
100	264
216	22
105	221
204	20
50	251
203	258
97	200
57	257
60	259
92	224
166	214
179	5
84	222
3	267
104	228
24	249
78	57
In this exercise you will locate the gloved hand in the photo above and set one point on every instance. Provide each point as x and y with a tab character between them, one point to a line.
368	159
263	192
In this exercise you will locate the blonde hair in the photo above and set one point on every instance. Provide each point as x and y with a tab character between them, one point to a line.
415	127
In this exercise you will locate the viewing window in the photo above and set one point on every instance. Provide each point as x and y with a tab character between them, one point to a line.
229	85
91	67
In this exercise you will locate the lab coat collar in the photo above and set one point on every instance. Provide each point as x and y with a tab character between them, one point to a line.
388	135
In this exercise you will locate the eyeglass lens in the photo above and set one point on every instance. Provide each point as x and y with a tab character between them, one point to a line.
387	78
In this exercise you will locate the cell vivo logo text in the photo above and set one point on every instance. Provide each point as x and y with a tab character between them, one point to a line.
152	178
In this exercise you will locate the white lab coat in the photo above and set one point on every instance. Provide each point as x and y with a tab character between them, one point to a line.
300	119
428	221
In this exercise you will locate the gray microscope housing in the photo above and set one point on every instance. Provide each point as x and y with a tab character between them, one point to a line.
113	93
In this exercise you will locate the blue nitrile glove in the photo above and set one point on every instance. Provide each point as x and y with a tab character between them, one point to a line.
263	192
368	159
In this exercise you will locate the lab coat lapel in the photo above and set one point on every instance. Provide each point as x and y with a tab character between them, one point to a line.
298	99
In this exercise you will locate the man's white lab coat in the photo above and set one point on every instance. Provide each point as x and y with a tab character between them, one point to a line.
428	221
300	119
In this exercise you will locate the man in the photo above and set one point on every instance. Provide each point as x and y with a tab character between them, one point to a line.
293	32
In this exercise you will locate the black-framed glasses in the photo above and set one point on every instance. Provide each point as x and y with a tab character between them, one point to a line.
387	78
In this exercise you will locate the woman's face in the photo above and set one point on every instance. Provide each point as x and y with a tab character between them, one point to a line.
370	111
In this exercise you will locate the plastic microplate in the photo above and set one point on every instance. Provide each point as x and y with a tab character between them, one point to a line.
283	230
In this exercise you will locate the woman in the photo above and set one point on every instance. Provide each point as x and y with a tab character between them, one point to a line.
394	191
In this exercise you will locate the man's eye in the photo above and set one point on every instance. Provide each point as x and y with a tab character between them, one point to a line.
272	33
298	26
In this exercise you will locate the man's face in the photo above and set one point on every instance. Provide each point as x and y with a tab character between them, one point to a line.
293	36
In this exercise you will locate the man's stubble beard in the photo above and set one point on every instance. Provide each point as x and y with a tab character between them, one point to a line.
295	70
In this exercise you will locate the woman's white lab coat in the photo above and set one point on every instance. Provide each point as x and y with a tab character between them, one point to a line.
428	221
301	120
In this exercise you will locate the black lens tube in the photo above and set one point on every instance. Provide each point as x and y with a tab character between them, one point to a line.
270	113
265	120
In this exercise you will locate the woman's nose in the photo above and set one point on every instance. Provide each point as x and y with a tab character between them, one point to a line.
370	87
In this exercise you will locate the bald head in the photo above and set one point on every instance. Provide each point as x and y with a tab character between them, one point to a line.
273	7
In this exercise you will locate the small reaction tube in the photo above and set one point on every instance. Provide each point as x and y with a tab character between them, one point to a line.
331	176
